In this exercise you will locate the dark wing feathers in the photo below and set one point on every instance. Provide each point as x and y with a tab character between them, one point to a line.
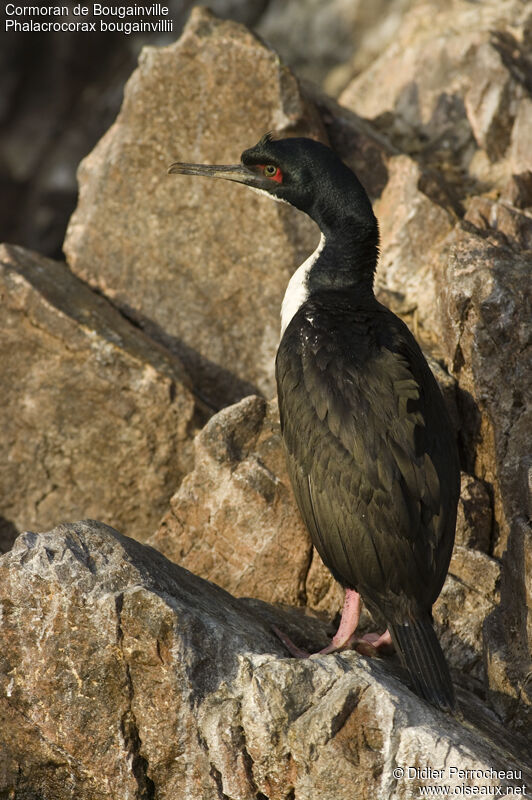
370	454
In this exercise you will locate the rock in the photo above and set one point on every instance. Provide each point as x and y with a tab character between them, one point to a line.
474	519
234	520
146	238
521	142
470	593
411	225
483	301
506	224
328	43
96	417
508	635
518	190
123	675
449	89
56	101
363	148
485	308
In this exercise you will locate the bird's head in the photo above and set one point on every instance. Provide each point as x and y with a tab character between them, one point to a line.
299	171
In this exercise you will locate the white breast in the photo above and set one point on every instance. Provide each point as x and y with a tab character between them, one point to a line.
297	290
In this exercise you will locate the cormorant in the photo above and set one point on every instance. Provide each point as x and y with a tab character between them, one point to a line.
371	452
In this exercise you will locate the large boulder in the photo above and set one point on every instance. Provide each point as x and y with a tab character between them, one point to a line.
96	418
234	520
56	101
452	89
330	42
485	302
123	675
411	226
202	265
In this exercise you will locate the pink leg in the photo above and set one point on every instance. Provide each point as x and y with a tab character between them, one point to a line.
343	637
348	623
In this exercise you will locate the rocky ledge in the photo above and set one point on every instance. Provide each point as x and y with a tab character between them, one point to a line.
124	675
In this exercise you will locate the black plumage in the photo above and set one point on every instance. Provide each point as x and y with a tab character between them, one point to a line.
370	449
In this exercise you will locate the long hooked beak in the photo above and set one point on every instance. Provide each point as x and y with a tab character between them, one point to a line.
232	172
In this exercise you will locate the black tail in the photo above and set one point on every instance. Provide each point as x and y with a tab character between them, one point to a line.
422	656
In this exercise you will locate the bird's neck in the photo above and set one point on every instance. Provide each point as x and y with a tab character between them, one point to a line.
346	262
343	261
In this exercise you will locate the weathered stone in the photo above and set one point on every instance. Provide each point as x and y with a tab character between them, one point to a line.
485	302
411	225
97	419
450	85
363	148
123	675
489	100
505	223
330	42
233	519
470	594
322	591
146	238
521	149
474	520
56	101
518	190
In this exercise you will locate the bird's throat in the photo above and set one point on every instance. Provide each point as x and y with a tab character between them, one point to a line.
297	291
333	266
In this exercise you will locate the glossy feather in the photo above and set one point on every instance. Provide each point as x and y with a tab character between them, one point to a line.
367	437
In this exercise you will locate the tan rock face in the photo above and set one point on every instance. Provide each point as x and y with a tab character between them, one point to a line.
486	307
329	42
234	520
450	87
96	419
202	265
123	675
484	299
474	521
470	594
411	225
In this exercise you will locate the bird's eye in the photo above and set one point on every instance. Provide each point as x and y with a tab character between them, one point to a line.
272	172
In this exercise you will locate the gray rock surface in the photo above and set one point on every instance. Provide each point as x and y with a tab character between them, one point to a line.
96	418
146	238
475	517
125	676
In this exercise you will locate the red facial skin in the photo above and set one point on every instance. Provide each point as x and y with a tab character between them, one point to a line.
277	176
